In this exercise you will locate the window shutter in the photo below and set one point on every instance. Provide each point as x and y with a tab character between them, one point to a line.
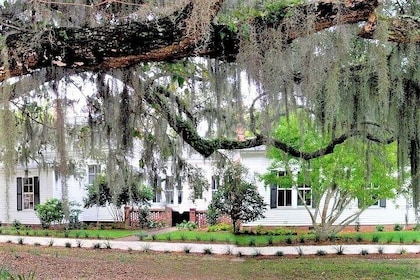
360	203
19	193
273	196
36	191
382	203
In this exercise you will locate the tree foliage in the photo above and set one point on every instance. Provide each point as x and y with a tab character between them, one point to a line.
100	193
353	63
237	197
357	172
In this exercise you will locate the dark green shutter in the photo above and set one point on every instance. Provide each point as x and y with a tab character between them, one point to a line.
273	196
382	203
36	191
19	194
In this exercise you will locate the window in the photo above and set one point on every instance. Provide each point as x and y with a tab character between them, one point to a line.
169	190
284	197
93	171
304	196
27	193
157	189
377	203
214	183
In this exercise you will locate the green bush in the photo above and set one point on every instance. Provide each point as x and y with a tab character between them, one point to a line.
186	225
49	212
380	228
397	227
219	227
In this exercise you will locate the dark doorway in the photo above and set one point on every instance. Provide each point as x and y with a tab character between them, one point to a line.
178	218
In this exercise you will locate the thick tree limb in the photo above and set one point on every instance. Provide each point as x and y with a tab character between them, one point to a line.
117	46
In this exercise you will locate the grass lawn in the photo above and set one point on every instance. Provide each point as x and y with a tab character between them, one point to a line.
392	237
76	263
75	233
386	237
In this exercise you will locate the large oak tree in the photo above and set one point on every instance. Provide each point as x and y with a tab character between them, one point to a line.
155	66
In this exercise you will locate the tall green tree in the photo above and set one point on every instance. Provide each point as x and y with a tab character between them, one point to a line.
342	184
237	197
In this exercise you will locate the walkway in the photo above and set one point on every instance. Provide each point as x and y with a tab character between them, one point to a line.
211	248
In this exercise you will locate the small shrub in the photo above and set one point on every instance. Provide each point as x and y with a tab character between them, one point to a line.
317	237
20	241
17	224
228	250
401	239
259	230
212	238
302	239
379	228
397	227
108	245
380	250
279	254
239	254
141	235
270	240
339	250
332	237
403	251
187	249
168	237
37	244
219	227
197	238
364	252
153	236
389	240
321	253
67	245
51	243
251	242
359	238
96	246
146	248
183	237
207	251
79	243
186	226
375	238
289	240
86	234
77	234
49	212
416	227
66	233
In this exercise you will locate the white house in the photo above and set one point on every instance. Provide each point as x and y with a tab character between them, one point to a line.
32	185
283	206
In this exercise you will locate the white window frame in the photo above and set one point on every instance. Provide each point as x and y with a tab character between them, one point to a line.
93	174
285	191
307	190
28	193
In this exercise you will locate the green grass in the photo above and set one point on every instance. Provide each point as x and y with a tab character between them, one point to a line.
91	233
176	266
395	237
